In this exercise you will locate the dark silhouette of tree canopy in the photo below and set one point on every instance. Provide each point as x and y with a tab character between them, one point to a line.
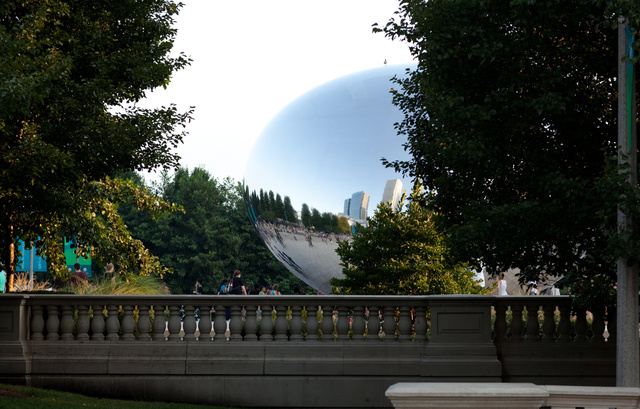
210	239
510	119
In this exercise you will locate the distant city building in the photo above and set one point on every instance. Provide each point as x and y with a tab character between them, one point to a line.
359	203
347	204
392	193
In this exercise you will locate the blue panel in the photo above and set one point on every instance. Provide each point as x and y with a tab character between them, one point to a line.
24	262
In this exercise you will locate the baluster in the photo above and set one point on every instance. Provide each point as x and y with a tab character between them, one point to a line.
266	324
533	326
82	325
251	323
549	324
373	324
219	322
53	323
597	327
98	324
159	322
189	323
66	323
389	323
144	323
358	324
113	324
564	326
428	323
128	324
580	327
517	323
174	324
281	324
500	326
327	325
205	327
420	323
235	326
342	324
611	324
404	323
296	323
37	323
197	317
311	324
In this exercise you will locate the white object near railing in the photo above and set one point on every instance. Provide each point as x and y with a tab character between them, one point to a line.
510	395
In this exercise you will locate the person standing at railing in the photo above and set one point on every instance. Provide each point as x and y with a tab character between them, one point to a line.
3	278
224	287
199	289
237	285
502	285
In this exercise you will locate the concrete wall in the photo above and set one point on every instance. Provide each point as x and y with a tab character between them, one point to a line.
315	351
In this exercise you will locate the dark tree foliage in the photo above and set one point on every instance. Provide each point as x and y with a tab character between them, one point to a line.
268	206
510	119
210	239
70	74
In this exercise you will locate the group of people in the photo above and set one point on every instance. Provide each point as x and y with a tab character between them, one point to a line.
532	286
236	286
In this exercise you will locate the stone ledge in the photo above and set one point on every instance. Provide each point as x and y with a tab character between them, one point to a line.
509	395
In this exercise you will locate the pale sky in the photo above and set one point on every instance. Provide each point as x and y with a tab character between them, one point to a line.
251	58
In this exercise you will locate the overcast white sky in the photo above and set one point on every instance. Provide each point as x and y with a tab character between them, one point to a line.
253	57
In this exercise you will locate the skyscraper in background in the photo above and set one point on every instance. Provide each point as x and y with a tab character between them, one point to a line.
347	204
392	193
358	205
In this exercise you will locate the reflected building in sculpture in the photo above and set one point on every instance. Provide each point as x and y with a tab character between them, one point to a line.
392	193
347	204
358	205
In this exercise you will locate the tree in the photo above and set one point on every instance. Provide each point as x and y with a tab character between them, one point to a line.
209	240
278	207
305	215
289	212
316	219
343	225
510	119
401	252
70	76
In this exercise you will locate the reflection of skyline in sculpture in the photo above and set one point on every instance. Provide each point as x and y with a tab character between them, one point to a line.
329	142
358	205
392	193
319	150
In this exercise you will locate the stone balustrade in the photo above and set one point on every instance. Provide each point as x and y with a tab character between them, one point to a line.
324	351
231	318
515	319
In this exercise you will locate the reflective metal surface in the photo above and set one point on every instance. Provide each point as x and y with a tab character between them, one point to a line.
320	150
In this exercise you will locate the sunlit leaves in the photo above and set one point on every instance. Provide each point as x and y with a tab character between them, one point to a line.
70	74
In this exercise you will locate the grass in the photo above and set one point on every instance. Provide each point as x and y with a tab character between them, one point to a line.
22	397
133	285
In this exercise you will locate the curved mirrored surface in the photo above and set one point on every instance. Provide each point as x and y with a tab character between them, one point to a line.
324	149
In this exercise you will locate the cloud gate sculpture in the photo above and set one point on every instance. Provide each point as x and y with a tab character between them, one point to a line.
324	149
